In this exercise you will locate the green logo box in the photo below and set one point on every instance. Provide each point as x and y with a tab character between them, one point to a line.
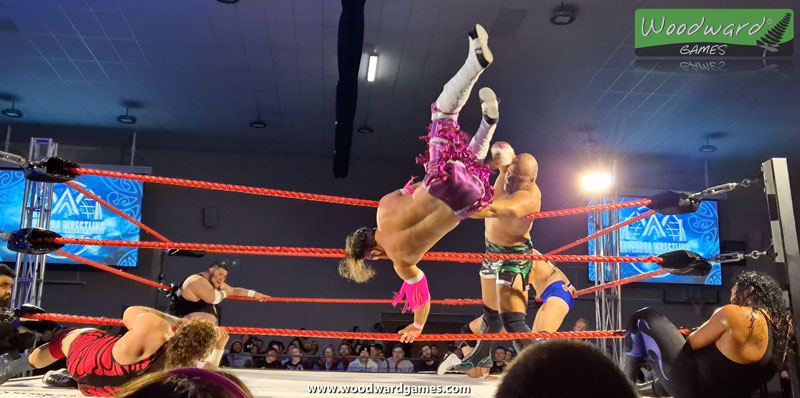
714	33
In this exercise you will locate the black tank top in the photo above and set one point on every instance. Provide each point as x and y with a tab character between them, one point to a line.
181	307
721	377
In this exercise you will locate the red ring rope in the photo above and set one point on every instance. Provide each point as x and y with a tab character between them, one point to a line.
112	270
620	282
339	253
589	209
357	335
316	197
119	212
226	187
601	233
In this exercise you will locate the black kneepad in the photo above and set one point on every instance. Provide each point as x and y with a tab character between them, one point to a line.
514	322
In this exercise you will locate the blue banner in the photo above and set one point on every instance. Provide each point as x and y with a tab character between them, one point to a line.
76	216
657	234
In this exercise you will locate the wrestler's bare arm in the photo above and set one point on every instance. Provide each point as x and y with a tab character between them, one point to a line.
713	328
240	291
199	289
410	332
519	205
148	331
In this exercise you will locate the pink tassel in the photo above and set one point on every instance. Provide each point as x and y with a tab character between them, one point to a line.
415	295
408	189
457	150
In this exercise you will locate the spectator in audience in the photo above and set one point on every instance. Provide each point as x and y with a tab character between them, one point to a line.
452	347
435	352
376	353
295	361
308	348
563	369
316	347
581	325
345	351
260	344
247	343
499	361
296	342
272	360
363	363
396	363
236	358
426	363
510	354
278	346
185	383
328	360
257	360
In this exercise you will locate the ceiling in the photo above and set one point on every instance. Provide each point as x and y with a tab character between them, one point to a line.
196	73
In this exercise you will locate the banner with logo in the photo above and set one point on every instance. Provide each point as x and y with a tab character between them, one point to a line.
714	32
74	215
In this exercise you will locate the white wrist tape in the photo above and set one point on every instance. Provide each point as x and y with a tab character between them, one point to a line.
251	293
415	279
219	295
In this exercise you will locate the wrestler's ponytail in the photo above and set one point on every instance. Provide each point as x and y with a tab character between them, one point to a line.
352	266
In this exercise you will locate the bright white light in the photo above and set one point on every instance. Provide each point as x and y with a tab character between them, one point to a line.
372	68
595	182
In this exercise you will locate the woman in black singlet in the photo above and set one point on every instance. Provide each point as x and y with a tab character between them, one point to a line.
733	353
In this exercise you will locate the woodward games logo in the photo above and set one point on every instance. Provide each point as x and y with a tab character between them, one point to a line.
714	33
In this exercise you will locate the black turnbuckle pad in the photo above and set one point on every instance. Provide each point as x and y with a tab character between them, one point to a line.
51	170
33	241
671	202
186	253
685	263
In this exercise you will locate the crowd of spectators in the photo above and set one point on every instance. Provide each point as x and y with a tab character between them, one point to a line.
347	355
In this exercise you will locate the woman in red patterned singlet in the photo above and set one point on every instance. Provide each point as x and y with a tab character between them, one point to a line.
101	363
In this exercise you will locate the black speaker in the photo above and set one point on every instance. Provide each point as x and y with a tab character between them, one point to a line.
209	217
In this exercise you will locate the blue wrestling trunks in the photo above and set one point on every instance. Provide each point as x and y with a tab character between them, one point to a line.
557	289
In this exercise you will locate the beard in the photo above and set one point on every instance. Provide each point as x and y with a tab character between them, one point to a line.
5	301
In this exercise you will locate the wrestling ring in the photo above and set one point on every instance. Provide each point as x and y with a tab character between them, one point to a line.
280	383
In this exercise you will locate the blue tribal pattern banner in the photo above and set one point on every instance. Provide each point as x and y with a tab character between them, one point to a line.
697	232
76	216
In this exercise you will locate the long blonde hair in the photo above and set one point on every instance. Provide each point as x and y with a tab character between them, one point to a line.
352	266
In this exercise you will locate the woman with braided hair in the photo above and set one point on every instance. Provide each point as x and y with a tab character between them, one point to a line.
733	353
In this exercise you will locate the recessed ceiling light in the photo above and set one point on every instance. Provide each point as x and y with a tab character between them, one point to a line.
590	142
258	123
126	118
12	112
365	130
228	1
707	148
564	16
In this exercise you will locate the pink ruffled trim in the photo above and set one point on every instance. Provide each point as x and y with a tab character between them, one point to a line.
415	295
408	189
457	150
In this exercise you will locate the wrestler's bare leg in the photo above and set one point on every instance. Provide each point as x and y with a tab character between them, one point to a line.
550	315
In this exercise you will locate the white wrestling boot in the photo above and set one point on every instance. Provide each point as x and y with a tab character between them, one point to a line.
449	362
491	114
456	91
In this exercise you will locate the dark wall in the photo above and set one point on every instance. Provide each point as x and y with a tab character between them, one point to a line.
242	219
